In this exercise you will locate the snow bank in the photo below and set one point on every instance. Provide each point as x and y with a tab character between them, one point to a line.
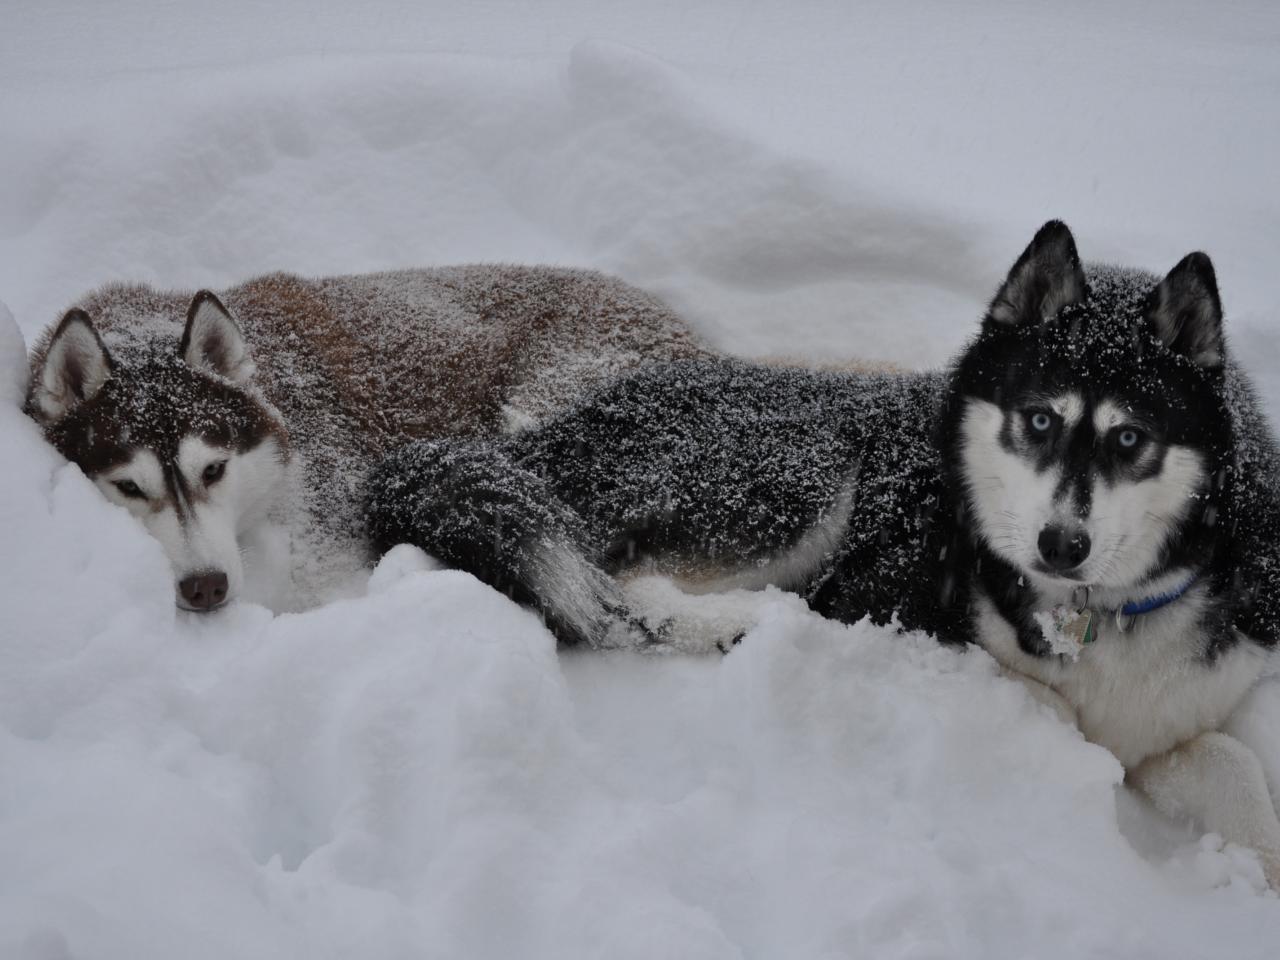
603	158
416	772
13	360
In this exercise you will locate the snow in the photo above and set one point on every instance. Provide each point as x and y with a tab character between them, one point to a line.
416	772
13	360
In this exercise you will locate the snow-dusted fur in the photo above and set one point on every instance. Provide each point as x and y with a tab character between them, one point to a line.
1095	434
205	416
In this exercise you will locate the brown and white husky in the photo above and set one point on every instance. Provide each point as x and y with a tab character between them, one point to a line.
221	420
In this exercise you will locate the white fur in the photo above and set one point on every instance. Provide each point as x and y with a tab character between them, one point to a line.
1107	416
1013	502
217	519
1069	406
1147	693
1217	780
1130	522
1141	692
699	623
1148	697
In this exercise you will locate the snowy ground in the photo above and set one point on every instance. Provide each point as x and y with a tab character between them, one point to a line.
417	772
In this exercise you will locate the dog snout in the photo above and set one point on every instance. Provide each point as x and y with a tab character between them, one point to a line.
205	591
1063	548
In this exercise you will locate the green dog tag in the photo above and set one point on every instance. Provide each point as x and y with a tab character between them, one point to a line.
1079	626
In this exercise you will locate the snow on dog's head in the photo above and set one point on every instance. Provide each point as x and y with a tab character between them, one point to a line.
172	430
1093	431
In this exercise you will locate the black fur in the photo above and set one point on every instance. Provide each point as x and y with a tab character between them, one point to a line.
726	463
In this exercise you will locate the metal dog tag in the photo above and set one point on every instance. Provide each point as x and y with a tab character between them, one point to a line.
1068	629
1079	626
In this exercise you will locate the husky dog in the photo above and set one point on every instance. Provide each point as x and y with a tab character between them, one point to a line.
1091	493
198	414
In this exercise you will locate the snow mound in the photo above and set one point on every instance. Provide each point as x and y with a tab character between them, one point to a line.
419	766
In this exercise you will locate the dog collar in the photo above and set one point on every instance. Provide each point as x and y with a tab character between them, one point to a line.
1127	613
1136	608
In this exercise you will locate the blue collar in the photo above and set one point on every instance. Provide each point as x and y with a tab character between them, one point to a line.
1135	608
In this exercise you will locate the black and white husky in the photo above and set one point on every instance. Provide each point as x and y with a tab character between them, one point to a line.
209	418
1091	493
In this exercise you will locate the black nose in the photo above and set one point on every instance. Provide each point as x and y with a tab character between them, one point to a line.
204	591
1063	549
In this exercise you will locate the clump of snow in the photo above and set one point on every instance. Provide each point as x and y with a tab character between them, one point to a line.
1057	628
399	562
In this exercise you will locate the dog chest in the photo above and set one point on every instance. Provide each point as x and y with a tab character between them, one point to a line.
1137	692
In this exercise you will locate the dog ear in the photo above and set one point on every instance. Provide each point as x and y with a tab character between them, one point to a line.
1046	278
212	342
76	365
1185	312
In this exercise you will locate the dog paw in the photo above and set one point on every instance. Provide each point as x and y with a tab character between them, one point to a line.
724	646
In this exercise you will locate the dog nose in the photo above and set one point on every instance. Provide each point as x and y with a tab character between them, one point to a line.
204	591
1063	549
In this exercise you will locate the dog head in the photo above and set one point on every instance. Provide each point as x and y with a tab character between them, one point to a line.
1092	431
172	430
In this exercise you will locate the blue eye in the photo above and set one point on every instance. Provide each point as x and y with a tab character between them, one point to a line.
1041	422
1128	439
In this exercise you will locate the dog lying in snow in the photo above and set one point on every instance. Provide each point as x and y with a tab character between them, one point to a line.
1091	493
208	416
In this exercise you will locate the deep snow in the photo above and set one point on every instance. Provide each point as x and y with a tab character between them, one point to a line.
417	772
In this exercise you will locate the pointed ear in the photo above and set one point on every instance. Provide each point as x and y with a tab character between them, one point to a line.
1046	278
212	342
1185	312
76	365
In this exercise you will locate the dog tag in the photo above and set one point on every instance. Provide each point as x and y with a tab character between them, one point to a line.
1079	626
1067	629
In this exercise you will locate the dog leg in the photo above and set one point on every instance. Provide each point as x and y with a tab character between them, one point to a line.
1219	781
472	506
693	623
1254	723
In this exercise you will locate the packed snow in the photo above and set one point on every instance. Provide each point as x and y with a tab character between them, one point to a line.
416	771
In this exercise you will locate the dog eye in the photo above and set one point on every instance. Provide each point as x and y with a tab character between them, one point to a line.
1040	422
1128	438
213	472
130	489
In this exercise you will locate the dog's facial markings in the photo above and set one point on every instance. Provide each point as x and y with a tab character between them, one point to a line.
160	428
137	483
196	502
1068	462
1093	414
